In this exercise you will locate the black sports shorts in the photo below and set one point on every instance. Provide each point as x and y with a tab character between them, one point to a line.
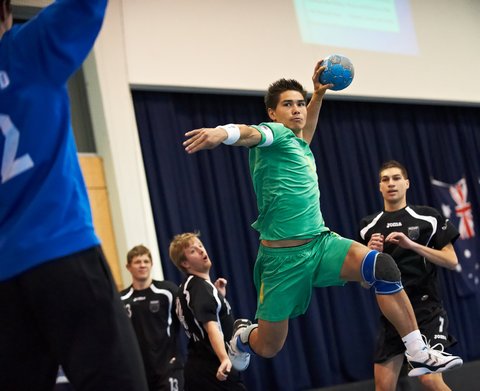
67	311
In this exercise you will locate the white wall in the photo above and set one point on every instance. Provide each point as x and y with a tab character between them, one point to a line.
245	45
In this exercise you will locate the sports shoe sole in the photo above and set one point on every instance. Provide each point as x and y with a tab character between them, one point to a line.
239	362
455	363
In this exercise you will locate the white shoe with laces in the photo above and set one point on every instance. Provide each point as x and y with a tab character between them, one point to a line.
240	360
432	360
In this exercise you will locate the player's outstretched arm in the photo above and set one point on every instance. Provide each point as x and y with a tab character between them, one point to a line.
218	344
231	134
315	104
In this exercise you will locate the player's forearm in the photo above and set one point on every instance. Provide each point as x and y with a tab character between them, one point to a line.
248	136
313	113
230	134
445	257
55	44
216	340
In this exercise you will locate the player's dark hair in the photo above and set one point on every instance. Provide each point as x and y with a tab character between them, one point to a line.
138	251
8	6
393	164
275	89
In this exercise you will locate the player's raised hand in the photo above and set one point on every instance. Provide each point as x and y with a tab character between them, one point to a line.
400	239
318	87
204	138
221	285
376	242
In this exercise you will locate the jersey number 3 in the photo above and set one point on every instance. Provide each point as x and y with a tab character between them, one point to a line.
11	165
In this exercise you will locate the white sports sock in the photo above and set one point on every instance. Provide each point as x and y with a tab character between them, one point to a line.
414	342
245	334
242	341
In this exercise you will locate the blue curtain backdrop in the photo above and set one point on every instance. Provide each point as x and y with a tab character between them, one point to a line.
211	192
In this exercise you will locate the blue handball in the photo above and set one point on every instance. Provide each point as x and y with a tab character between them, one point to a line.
339	72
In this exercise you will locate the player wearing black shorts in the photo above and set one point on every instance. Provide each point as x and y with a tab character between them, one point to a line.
420	240
207	318
150	304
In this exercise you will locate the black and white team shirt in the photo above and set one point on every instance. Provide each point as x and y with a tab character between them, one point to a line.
152	312
200	302
422	224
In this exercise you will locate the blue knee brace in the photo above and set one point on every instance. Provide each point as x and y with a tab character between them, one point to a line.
381	272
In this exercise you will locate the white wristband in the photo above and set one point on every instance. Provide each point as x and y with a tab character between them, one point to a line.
233	133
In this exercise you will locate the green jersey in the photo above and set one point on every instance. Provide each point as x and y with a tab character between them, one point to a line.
285	181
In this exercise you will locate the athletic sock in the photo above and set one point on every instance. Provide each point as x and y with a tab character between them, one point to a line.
242	340
414	342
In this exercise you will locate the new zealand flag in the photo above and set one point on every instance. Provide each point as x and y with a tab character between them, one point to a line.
452	200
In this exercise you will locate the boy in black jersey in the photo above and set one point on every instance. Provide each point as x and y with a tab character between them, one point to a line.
150	304
206	316
419	239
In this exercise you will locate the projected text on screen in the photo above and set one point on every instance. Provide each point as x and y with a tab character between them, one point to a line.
376	25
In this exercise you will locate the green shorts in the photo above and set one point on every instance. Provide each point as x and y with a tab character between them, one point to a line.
284	277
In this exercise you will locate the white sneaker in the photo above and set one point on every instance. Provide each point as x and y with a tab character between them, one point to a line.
431	360
240	360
